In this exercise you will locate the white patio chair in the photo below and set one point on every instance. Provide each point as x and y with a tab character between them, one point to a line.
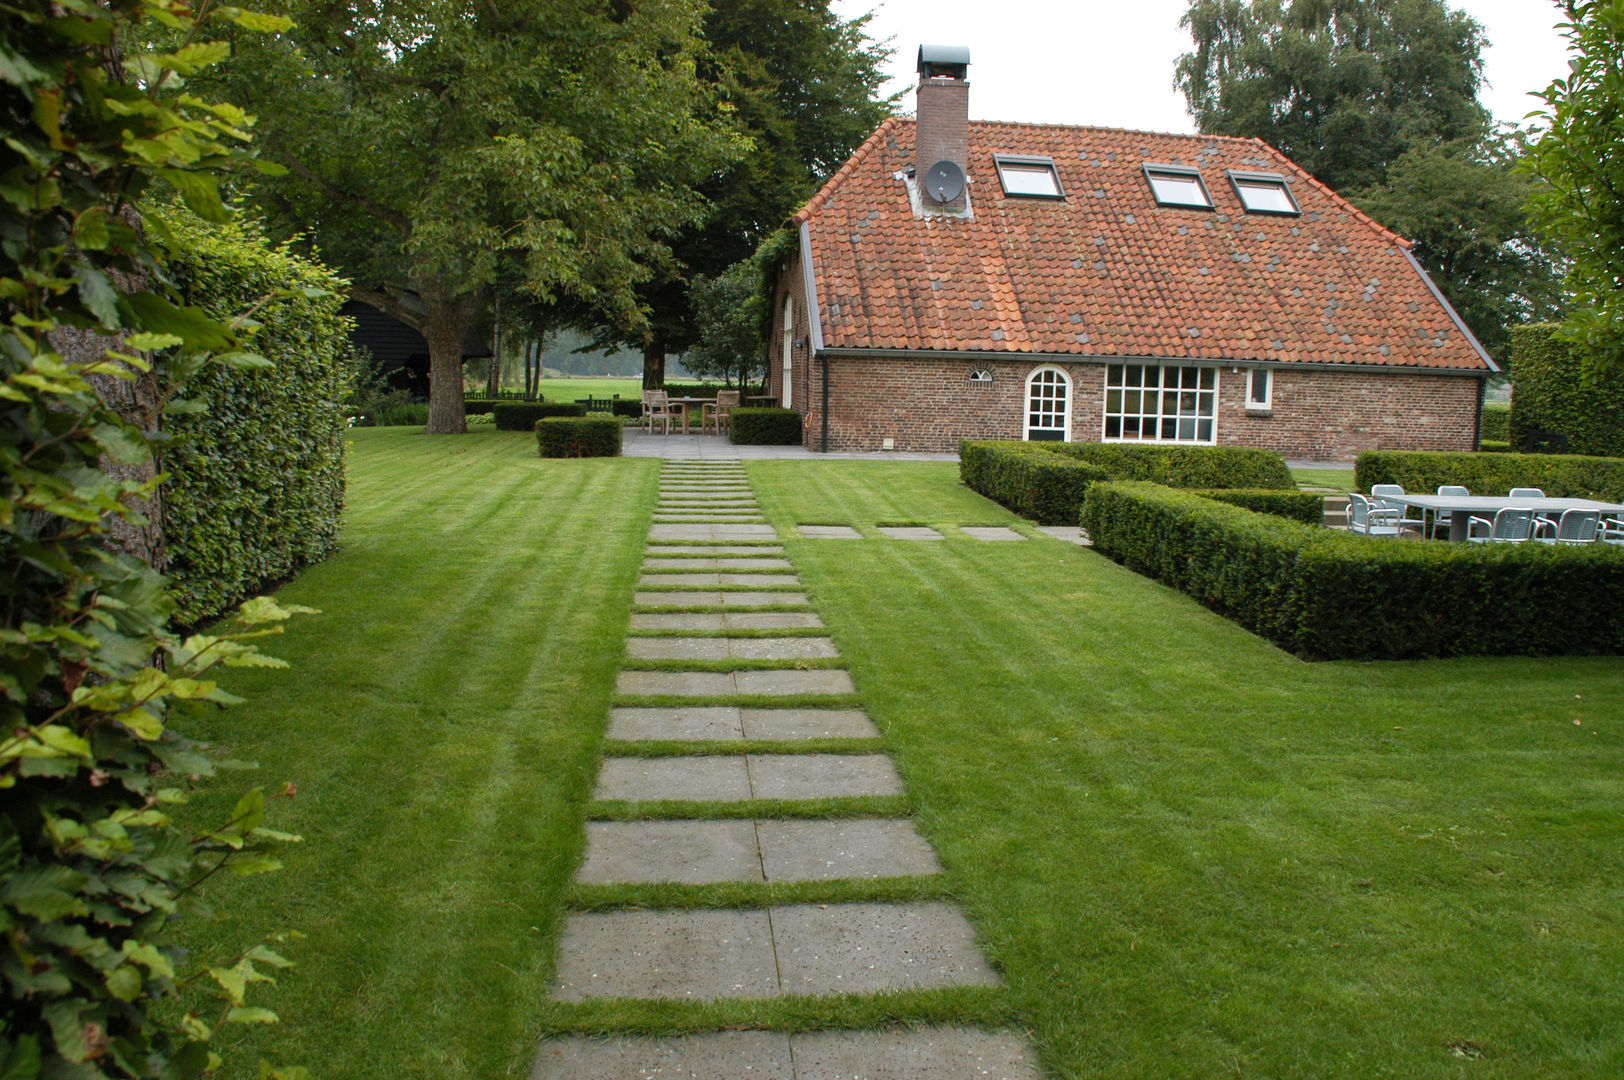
1371	520
1511	525
1378	490
1447	489
1611	531
1573	527
1526	493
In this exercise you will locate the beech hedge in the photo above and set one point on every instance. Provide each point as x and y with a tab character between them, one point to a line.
1556	394
522	415
1561	476
256	479
578	436
1326	594
765	427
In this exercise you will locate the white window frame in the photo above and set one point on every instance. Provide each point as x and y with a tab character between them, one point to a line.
1028	164
1161	417
1238	180
1183	172
1026	403
1252	404
788	349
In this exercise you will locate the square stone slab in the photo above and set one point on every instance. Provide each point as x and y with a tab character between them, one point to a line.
790	724
680	565
680	532
867	948
759	580
829	681
828	532
677	599
687	851
685	683
677	620
990	532
821	776
1072	534
723	777
770	620
743	565
694	955
910	532
743	532
750	550
763	599
785	648
679	723
722	1055
843	848
939	1053
666	580
677	648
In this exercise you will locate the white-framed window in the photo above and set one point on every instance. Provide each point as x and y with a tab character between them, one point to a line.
1154	403
1048	406
1178	185
788	347
1259	389
1264	193
1029	177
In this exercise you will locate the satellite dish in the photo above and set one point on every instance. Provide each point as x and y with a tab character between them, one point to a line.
944	181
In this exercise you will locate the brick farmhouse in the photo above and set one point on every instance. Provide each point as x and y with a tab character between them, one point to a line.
1023	281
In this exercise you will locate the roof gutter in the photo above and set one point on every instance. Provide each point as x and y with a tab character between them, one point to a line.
1460	324
1076	358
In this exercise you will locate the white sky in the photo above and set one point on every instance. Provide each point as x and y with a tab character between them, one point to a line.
1110	64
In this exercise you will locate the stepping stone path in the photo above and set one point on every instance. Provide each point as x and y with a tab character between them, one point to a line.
711	551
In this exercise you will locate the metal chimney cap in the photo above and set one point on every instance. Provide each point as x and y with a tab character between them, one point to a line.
950	60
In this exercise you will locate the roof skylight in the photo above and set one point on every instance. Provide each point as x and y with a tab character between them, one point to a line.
1176	185
1029	178
1264	193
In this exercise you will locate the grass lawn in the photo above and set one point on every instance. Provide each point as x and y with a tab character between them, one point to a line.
1340	480
1191	854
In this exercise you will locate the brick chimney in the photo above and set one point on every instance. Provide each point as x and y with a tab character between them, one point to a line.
943	107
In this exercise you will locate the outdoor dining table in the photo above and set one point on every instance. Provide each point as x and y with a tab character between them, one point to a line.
687	404
1462	508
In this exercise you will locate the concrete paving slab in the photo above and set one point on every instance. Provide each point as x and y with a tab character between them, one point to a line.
719	599
788	724
791	648
693	852
990	532
828	532
723	1055
743	532
843	848
677	648
910	532
723	777
704	519
866	948
763	599
821	776
683	683
770	620
760	580
680	532
693	955
681	565
781	683
937	1053
679	579
1072	534
737	564
751	550
677	620
676	723
728	512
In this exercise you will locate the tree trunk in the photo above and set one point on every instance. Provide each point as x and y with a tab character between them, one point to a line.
493	375
446	320
654	363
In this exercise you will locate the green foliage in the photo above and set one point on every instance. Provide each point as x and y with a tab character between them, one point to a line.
1561	476
626	407
1184	466
256	481
1031	481
1331	595
770	258
1556	393
1496	424
1580	206
576	437
406	414
522	415
477	407
91	867
1303	506
1494	446
765	427
725	344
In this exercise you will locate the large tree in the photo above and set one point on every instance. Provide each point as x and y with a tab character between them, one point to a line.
429	141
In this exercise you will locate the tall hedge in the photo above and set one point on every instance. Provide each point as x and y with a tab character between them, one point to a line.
256	482
1554	393
1184	466
1561	476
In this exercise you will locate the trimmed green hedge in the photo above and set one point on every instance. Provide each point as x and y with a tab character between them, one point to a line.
1554	393
478	407
522	415
256	482
1561	476
1327	594
765	427
623	407
585	436
1496	422
1303	506
1046	481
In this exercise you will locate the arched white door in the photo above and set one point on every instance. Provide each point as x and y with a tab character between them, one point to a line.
1048	406
788	345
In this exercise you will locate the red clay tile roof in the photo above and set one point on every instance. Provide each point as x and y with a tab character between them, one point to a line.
1108	272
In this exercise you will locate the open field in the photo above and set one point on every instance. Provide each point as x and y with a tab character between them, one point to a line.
1192	855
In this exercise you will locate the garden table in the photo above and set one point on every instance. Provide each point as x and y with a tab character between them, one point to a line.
1461	508
687	403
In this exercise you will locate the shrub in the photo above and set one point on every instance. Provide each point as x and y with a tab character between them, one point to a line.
1303	506
765	427
623	408
570	436
522	415
1556	394
411	414
1029	480
707	390
1327	594
1184	466
1558	475
478	406
256	484
1494	446
1496	426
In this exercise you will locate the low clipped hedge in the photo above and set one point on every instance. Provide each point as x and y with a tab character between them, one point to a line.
1303	506
1326	594
1047	481
478	406
765	427
623	407
1561	476
522	415
578	436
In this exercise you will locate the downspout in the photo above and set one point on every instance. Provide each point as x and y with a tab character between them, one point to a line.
824	440
1477	421
814	327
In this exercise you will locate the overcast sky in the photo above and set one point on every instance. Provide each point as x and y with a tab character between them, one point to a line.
1110	64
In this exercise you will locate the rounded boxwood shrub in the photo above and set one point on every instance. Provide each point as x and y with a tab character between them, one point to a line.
578	436
522	415
765	427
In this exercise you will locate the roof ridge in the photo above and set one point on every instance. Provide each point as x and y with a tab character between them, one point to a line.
825	192
1359	214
